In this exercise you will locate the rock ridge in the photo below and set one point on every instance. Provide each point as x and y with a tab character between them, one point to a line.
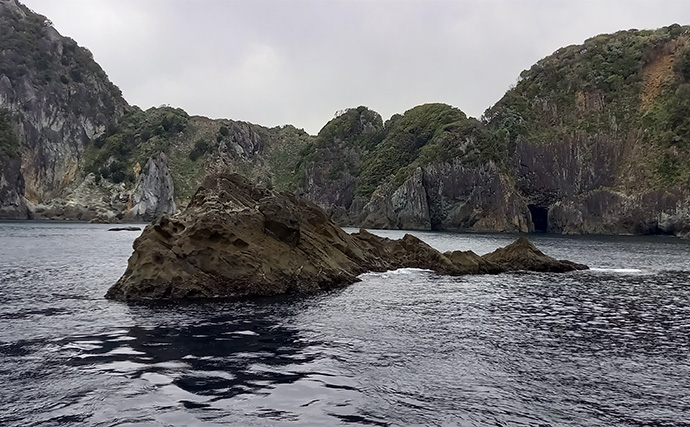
236	239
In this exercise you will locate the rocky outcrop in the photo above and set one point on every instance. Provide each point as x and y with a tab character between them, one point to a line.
523	255
592	139
236	239
334	159
154	192
405	207
580	186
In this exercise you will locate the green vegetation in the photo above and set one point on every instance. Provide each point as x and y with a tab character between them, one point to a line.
9	143
26	48
631	84
341	145
424	134
357	144
285	154
139	135
201	147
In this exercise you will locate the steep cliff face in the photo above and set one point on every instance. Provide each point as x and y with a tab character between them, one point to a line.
154	194
12	202
593	139
58	96
333	161
598	135
429	169
450	196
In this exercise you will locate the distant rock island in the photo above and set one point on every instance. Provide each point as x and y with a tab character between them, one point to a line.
593	139
236	239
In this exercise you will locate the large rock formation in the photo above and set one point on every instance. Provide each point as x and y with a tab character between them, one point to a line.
592	140
449	196
236	239
154	193
597	134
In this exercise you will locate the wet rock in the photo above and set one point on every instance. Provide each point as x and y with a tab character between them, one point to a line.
523	255
154	194
236	239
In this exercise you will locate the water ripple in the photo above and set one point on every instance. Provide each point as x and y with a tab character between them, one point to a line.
608	346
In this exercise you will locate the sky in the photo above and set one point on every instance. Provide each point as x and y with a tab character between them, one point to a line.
276	62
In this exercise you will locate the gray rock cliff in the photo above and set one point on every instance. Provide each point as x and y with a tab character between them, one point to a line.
154	193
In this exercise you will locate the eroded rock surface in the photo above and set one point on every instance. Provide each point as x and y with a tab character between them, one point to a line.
236	239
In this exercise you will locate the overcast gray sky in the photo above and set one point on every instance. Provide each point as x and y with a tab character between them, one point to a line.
274	62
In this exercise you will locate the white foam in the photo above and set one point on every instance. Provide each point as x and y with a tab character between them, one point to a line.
617	270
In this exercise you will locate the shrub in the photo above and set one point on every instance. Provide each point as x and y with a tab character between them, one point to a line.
200	148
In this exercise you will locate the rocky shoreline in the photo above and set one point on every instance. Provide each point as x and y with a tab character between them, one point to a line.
236	239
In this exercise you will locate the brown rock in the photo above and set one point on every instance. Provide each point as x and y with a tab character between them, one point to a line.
523	255
235	239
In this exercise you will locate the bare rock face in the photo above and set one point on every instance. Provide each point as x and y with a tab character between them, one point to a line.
449	196
154	194
13	205
236	239
523	255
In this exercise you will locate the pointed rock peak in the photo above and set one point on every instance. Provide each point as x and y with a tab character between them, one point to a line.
523	255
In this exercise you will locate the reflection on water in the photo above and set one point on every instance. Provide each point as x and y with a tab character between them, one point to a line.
609	346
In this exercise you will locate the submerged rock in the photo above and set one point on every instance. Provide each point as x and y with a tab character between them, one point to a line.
130	228
523	255
236	239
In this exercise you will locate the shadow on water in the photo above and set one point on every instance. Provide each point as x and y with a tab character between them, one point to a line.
213	350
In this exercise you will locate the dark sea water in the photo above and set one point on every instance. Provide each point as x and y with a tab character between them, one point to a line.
606	347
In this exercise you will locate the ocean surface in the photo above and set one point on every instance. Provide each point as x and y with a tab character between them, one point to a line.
605	347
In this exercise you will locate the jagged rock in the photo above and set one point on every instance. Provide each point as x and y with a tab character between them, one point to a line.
236	239
154	193
449	196
523	255
473	263
476	198
610	212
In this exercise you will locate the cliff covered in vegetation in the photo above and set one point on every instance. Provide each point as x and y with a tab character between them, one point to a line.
596	135
592	139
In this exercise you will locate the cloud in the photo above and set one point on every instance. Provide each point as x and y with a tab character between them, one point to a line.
274	62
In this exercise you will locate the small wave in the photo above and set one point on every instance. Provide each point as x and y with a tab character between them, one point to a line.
250	333
617	270
399	272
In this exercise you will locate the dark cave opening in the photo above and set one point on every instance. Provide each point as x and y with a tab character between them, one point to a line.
540	218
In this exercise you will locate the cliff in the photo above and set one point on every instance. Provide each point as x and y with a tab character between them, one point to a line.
597	135
58	100
432	168
593	139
